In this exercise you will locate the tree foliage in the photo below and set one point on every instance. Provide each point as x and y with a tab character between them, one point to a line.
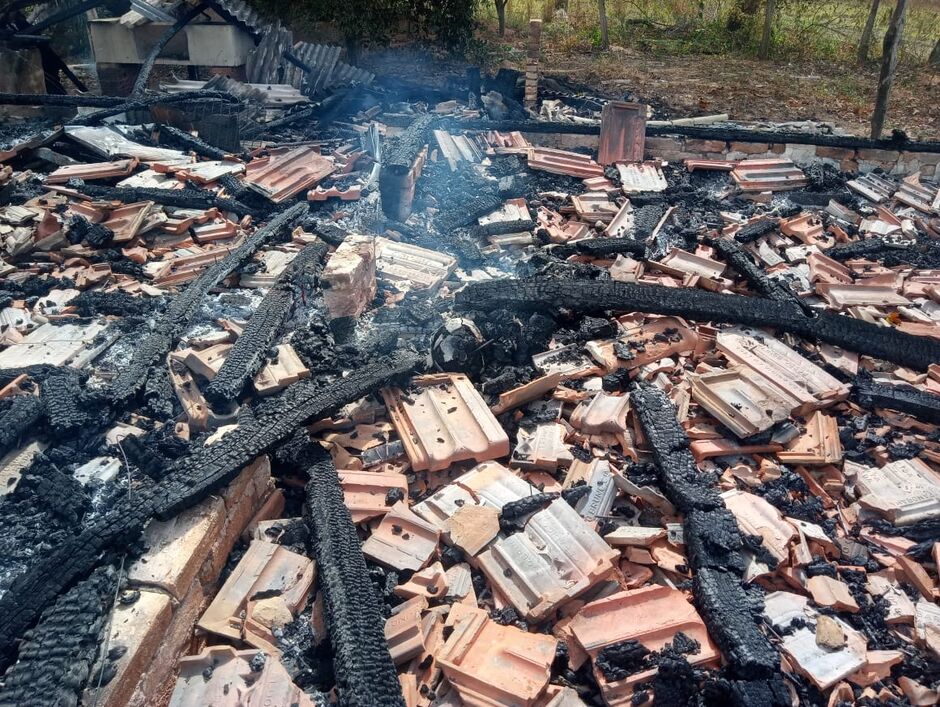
449	23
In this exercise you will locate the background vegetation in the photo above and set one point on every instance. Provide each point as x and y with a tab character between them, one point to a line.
802	29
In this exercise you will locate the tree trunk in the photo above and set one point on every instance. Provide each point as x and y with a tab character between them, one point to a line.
602	15
934	59
501	15
864	45
889	63
764	51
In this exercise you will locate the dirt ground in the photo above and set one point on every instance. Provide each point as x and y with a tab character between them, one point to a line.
680	86
756	90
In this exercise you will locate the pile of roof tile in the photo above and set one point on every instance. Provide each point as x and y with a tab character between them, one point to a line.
578	502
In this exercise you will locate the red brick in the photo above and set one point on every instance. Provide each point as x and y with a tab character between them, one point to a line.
706	145
835	153
750	148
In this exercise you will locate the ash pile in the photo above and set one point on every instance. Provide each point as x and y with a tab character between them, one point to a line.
369	405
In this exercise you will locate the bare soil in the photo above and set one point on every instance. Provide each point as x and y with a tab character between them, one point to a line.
753	90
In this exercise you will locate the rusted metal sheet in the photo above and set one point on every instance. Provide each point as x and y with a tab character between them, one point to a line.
286	174
768	175
623	132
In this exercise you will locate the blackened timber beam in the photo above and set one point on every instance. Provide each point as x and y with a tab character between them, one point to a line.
365	673
248	354
187	481
180	198
184	306
147	66
587	296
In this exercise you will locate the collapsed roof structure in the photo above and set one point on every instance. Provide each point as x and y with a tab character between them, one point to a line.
390	403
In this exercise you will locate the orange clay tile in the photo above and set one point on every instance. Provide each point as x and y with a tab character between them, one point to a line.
755	516
555	558
532	390
650	335
491	665
431	582
741	399
223	677
819	444
268	568
831	593
602	413
403	630
402	540
365	493
792	375
650	615
443	420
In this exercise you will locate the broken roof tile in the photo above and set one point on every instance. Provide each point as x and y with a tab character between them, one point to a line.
286	173
555	558
492	665
223	676
489	484
264	569
650	615
402	540
442	419
905	491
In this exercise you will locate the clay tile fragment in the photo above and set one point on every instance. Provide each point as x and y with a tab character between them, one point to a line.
489	664
431	582
542	447
471	528
265	569
603	413
652	616
403	630
348	279
402	540
831	593
819	444
555	558
905	491
366	493
443	420
741	399
222	676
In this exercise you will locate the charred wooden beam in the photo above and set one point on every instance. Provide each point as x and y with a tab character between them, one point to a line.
168	329
57	656
180	198
248	354
188	481
901	398
595	297
147	66
401	167
365	674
